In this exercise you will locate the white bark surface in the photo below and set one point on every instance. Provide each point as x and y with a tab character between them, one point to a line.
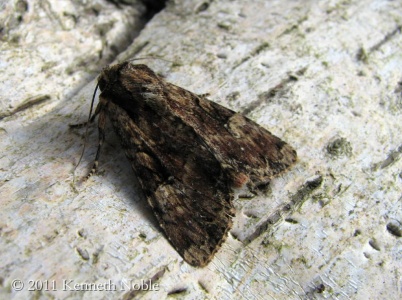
325	76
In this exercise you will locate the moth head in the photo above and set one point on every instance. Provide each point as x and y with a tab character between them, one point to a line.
138	74
109	76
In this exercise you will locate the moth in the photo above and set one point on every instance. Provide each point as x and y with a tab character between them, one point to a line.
188	154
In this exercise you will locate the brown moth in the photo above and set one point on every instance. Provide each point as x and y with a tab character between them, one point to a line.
188	153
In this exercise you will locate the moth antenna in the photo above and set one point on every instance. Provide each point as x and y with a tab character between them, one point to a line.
90	119
150	57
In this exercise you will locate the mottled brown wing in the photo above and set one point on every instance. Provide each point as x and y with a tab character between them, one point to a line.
243	145
182	180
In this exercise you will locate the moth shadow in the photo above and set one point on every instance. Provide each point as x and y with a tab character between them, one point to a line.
115	169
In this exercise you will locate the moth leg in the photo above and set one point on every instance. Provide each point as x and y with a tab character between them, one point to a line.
205	95
101	131
78	125
261	187
83	124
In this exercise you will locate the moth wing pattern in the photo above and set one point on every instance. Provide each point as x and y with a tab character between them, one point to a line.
241	145
188	153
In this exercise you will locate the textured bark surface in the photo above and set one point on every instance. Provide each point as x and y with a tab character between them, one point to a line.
325	76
